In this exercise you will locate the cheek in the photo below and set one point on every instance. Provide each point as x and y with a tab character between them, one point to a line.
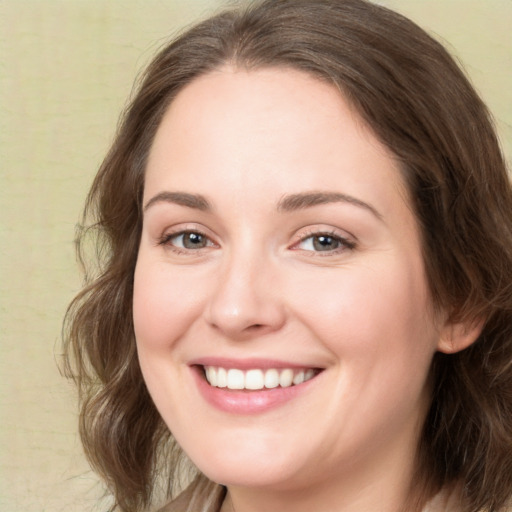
164	305
375	312
376	323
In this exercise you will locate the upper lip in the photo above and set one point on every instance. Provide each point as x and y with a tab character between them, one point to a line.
248	363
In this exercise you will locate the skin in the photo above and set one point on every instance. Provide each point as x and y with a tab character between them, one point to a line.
359	310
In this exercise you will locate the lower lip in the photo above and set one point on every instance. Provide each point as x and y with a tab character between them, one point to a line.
247	402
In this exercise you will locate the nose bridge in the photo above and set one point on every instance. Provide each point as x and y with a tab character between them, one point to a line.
245	299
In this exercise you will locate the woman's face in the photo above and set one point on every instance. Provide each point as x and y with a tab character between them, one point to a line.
279	246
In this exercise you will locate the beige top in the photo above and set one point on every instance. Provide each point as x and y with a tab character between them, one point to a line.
203	495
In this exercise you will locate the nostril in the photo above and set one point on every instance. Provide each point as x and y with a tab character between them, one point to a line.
255	327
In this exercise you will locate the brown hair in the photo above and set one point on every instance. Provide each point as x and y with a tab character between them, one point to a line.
418	102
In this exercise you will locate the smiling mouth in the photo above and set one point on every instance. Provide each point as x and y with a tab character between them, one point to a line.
257	379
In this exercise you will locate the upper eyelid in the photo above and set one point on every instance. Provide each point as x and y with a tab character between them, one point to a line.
187	228
317	231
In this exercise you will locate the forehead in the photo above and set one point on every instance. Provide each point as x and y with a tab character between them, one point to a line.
278	129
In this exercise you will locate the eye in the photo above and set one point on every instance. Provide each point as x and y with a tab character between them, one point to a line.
189	240
324	242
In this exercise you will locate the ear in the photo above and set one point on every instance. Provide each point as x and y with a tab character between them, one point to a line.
457	336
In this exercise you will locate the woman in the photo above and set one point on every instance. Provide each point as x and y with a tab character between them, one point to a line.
305	234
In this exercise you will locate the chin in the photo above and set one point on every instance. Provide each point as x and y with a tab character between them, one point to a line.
255	474
256	465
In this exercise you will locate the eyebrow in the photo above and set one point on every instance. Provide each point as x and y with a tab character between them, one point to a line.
295	202
288	203
195	201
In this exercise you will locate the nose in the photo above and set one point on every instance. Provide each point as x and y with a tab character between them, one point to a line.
246	301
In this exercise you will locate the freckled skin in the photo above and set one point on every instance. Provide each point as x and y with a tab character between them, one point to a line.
261	288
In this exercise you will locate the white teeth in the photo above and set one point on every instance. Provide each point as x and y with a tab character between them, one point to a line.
211	376
236	379
255	379
286	378
271	379
309	374
222	377
299	378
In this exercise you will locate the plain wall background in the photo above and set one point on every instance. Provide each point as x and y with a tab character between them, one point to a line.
66	70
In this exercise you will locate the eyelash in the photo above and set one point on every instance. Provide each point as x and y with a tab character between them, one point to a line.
346	244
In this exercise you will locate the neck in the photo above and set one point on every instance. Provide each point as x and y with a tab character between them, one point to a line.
445	501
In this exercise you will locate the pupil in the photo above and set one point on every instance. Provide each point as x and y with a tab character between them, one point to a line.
324	243
193	241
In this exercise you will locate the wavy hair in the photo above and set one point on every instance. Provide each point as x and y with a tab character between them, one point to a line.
419	103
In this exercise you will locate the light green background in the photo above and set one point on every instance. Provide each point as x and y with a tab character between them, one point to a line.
66	69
